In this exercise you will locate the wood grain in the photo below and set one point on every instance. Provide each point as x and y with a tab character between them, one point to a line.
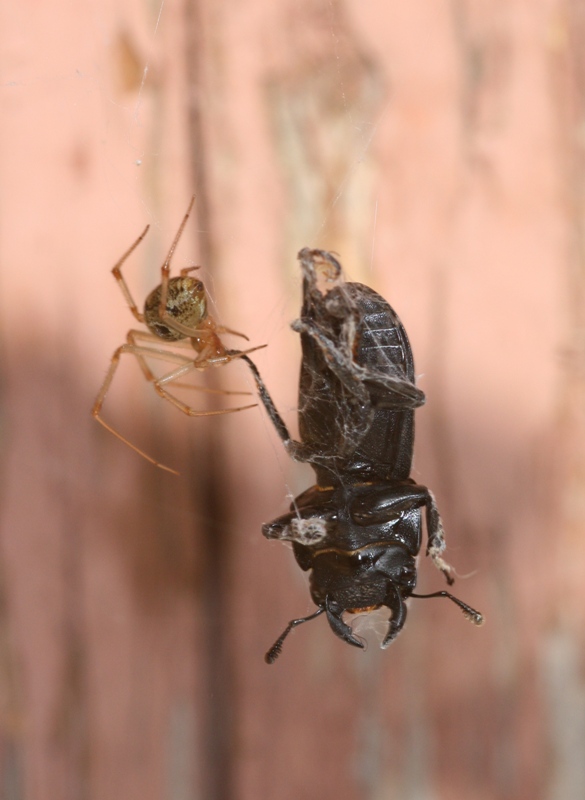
437	147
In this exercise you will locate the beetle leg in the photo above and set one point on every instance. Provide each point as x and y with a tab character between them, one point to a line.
354	377
338	626
397	606
436	544
338	361
385	503
326	260
276	648
305	525
296	450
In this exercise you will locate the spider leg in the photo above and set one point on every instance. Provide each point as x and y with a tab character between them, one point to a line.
208	331
185	407
222	329
186	364
207	390
205	360
116	272
209	327
192	412
134	336
218	328
157	352
147	336
166	267
190	363
97	407
131	337
232	354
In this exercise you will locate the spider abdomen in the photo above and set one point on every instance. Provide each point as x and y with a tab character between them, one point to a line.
186	304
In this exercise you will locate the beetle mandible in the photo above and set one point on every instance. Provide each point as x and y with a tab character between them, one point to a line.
359	529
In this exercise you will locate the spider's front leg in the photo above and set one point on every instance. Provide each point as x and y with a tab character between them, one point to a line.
296	450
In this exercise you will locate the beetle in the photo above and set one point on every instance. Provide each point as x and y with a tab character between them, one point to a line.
358	531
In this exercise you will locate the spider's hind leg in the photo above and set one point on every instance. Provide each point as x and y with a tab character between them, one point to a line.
180	372
99	401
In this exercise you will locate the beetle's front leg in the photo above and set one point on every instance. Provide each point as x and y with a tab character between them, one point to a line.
338	361
436	533
296	450
361	381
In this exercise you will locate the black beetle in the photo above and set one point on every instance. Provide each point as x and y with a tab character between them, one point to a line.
359	529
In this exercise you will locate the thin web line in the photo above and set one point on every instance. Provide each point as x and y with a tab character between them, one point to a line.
350	172
146	68
374	236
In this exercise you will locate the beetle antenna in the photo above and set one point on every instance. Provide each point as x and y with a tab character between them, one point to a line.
469	612
276	648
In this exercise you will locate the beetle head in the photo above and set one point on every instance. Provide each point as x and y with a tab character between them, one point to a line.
359	579
363	580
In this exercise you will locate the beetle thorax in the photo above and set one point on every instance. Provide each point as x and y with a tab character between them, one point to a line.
186	304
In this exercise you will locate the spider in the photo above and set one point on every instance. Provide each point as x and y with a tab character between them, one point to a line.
176	315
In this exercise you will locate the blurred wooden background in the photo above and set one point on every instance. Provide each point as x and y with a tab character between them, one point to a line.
438	148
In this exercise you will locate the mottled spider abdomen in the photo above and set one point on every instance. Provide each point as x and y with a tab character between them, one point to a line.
186	303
